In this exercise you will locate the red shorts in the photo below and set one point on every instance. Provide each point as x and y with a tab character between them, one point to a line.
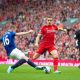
45	47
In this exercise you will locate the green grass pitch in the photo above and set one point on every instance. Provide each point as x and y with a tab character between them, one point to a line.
28	73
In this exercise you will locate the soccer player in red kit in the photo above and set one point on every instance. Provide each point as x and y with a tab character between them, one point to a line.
47	42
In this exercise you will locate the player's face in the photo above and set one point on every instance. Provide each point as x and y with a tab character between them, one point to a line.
49	21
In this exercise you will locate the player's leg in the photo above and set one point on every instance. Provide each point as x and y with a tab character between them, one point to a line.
32	64
39	51
19	63
22	59
36	55
55	62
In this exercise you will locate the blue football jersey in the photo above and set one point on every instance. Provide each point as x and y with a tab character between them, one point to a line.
8	40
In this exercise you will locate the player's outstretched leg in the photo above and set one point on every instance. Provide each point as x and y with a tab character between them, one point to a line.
34	65
20	62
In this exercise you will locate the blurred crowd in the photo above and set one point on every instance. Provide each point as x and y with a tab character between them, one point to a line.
24	15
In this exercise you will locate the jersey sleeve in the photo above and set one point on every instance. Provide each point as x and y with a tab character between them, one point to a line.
55	27
13	33
0	39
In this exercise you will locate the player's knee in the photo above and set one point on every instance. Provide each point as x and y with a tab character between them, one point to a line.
54	54
20	57
35	56
23	57
26	58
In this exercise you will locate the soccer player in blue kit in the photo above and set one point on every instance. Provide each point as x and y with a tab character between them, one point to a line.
8	41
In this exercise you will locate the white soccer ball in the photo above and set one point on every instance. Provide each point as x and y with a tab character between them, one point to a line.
47	70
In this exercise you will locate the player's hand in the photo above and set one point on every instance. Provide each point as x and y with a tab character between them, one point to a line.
65	30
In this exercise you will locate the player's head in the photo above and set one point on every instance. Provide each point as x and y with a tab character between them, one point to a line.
49	21
10	27
8	31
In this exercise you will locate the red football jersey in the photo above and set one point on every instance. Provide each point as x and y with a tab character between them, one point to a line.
48	33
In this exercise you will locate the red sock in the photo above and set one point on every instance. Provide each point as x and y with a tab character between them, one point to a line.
55	64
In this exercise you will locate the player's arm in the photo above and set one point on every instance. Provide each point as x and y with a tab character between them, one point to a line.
37	39
23	33
61	27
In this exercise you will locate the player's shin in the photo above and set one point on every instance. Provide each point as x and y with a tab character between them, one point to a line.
35	66
31	63
55	61
19	63
55	64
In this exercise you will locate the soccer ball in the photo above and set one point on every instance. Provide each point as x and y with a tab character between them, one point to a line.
47	70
